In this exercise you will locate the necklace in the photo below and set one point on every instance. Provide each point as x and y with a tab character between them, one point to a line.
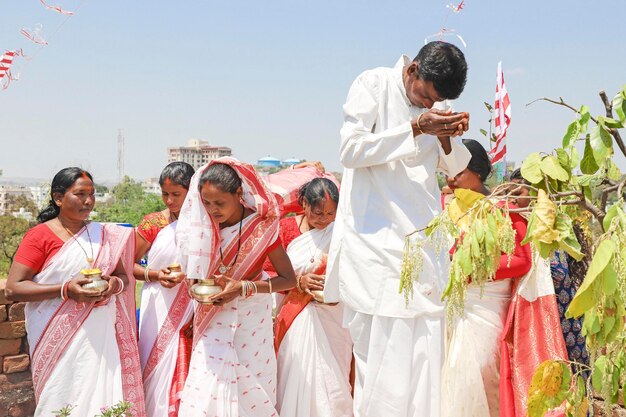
225	268
73	236
173	217
314	253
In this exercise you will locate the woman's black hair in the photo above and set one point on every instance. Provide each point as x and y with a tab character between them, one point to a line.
318	190
480	162
222	176
179	173
517	175
62	181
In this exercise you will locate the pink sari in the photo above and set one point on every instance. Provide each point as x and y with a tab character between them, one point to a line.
82	354
233	367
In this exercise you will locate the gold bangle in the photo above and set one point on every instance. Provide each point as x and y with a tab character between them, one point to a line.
417	123
269	281
298	286
146	274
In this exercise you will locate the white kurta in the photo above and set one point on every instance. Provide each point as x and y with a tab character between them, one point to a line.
389	189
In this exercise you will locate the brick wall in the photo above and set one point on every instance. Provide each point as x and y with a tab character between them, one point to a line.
16	386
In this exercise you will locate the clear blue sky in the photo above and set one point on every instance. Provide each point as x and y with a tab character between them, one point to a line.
271	77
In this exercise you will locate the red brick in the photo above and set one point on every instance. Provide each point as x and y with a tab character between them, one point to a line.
15	381
3	315
12	329
23	409
3	299
10	347
13	364
16	312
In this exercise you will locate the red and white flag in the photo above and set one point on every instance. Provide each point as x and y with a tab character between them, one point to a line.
6	60
502	116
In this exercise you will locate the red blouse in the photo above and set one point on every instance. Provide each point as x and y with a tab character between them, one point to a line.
288	231
38	245
150	226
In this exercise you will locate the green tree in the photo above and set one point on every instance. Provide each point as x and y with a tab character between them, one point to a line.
578	208
101	189
12	230
129	203
16	202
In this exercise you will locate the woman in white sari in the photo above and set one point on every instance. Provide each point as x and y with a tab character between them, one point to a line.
228	225
471	374
166	307
314	350
83	343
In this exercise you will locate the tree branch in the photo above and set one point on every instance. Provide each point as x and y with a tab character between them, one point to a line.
608	106
560	103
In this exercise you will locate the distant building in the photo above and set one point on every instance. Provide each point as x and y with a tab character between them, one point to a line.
40	195
197	153
151	186
7	192
269	161
291	161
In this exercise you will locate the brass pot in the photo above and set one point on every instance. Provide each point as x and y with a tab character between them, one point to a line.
97	284
204	289
175	270
318	295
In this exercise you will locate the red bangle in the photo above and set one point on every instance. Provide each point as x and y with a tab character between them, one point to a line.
120	283
64	286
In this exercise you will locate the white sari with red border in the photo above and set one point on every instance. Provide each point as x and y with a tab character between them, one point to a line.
315	354
164	311
233	367
85	355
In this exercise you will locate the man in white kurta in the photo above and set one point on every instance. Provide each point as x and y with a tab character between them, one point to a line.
391	147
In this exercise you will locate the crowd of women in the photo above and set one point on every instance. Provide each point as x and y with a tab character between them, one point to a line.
266	344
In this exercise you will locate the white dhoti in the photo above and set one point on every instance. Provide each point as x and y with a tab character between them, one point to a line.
471	372
397	364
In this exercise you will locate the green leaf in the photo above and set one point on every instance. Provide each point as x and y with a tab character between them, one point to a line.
610	214
584	298
599	368
484	132
610	122
531	168
574	158
563	158
607	325
588	165
609	280
584	118
573	131
612	171
601	143
553	169
570	245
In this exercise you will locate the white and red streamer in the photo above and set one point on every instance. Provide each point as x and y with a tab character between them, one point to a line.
502	117
57	9
34	35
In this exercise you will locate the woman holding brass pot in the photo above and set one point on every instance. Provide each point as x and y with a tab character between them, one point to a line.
82	340
228	225
166	308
